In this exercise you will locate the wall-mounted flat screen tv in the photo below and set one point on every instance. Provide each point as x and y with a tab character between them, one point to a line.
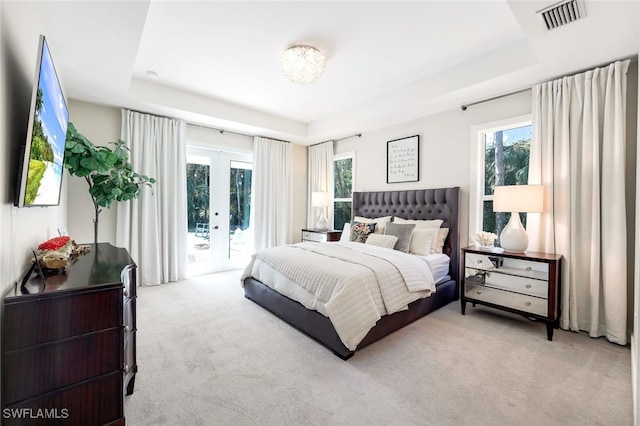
40	174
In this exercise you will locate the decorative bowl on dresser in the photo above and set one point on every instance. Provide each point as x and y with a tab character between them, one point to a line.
523	283
69	342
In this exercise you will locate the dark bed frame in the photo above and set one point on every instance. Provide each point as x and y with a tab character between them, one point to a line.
421	204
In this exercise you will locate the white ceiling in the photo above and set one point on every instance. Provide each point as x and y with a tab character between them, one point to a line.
388	62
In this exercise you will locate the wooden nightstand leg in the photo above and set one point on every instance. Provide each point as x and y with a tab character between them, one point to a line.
464	305
550	330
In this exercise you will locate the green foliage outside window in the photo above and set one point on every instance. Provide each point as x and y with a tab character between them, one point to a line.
343	188
240	199
506	163
197	195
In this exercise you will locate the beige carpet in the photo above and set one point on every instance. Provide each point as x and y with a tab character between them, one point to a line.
208	356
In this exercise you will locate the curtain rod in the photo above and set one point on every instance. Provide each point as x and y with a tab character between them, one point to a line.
465	106
338	140
267	137
209	127
222	131
632	58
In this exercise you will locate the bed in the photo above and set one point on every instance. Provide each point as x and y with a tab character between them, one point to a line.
423	204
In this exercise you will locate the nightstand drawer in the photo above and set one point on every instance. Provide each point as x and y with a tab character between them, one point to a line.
521	285
314	236
521	302
514	267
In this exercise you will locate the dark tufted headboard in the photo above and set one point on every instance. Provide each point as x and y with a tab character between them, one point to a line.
423	204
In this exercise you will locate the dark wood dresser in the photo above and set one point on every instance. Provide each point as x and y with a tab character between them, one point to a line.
69	343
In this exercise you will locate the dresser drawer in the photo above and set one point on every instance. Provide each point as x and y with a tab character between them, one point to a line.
65	362
520	302
67	316
93	402
314	236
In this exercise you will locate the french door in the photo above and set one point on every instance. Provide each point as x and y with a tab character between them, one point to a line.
218	210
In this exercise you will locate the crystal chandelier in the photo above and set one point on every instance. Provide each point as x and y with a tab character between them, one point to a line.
302	64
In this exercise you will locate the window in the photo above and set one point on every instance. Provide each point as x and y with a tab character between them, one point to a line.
499	156
343	172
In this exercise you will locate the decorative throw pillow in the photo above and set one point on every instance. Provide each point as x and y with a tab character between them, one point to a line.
380	240
434	223
346	233
423	241
360	231
380	222
403	232
442	236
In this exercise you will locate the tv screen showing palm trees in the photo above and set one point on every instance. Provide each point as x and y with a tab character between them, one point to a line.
41	178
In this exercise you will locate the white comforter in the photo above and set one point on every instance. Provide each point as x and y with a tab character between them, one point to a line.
353	284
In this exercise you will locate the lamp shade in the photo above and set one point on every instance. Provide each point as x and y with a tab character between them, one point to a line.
518	198
320	199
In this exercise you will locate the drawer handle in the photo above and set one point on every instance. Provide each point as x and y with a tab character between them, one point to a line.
126	293
527	286
527	303
478	292
529	268
127	329
126	369
478	261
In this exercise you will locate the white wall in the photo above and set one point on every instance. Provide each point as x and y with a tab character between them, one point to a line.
210	138
24	228
20	229
444	149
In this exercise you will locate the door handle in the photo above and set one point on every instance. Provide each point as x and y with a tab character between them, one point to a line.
215	227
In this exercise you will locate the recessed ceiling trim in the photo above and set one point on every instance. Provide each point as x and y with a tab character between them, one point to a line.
562	13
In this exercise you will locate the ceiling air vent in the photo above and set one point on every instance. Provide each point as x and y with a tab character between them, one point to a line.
562	13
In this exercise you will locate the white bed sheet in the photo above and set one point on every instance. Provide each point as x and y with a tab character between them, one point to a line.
439	264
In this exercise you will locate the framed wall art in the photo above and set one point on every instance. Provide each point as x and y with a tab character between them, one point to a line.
403	157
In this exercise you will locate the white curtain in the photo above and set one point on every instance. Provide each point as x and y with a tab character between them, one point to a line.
320	179
271	193
578	154
154	227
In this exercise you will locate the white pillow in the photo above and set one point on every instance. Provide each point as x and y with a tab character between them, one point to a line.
346	233
423	241
420	224
442	235
380	222
380	240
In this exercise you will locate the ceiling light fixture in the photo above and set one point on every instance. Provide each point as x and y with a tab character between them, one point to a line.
302	64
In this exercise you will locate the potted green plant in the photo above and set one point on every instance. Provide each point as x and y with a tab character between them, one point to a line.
107	171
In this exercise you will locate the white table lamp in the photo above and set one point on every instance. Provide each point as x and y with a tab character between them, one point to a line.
517	199
322	200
